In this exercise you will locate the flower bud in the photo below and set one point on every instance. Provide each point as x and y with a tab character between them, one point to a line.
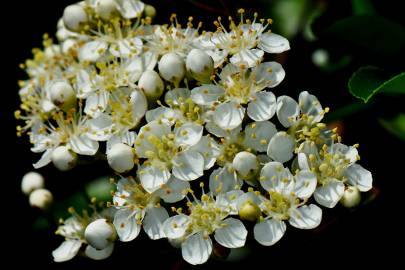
106	8
63	95
41	198
73	17
351	197
249	211
200	65
151	84
246	164
100	233
171	67
320	58
121	157
150	11
63	158
31	181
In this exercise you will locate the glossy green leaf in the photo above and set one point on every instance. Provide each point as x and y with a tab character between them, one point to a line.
362	7
100	189
368	81
395	126
372	32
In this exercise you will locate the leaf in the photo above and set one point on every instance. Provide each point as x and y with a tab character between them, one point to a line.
362	7
371	32
395	126
78	201
100	189
367	81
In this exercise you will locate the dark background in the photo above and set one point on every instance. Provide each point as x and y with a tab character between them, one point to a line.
367	235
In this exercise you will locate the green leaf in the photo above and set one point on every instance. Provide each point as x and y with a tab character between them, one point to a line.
395	126
372	32
368	81
362	7
78	201
100	189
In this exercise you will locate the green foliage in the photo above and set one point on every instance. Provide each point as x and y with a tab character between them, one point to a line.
395	126
100	189
368	81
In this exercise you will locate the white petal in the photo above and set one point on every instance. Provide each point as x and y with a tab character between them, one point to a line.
153	221
359	177
152	177
139	104
287	111
188	165
176	226
93	50
250	57
310	106
125	48
232	235
173	191
281	147
302	161
269	232
196	249
100	128
67	250
329	194
96	254
274	177
84	84
228	115
96	103
177	96
44	160
209	149
153	129
248	197
259	134
128	138
306	217
229	201
125	223
268	74
273	43
350	152
223	180
161	113
130	9
188	134
305	184
214	129
83	145
263	107
206	94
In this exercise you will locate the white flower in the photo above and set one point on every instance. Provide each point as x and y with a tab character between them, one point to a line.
288	195
169	152
138	207
208	216
121	157
247	41
239	86
172	68
63	158
63	95
74	17
335	169
303	122
73	230
200	65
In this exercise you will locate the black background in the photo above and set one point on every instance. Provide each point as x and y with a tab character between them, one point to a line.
368	235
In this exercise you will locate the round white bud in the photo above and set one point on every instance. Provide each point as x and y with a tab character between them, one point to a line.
121	157
351	197
106	8
63	95
171	67
320	57
200	65
31	181
63	158
74	16
100	233
151	84
41	198
150	11
246	164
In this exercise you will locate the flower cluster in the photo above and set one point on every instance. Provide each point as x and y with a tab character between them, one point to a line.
179	108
